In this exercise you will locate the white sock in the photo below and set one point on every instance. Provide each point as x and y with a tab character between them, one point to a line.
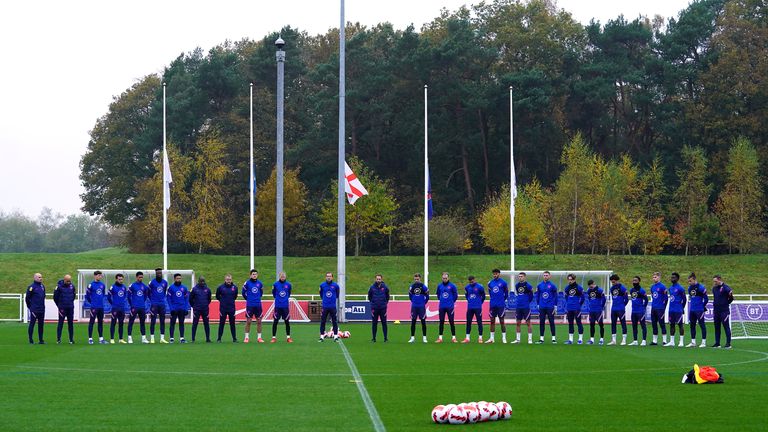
655	339
664	338
581	337
530	337
258	335
591	339
613	338
518	336
623	338
570	337
101	338
247	334
504	337
467	335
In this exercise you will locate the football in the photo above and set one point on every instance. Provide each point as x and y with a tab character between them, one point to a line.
473	415
485	413
505	410
439	414
493	412
457	415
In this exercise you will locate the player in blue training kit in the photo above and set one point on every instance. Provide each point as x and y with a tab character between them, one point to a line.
253	291
35	300
677	301
138	293
523	299
94	296
639	301
418	293
447	294
64	297
475	295
378	296
574	298
699	299
659	300
200	301
158	288
118	298
281	291
178	302
329	292
546	298
226	294
619	301
596	302
498	291
723	297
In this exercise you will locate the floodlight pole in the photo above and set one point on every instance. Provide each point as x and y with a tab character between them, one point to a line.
341	247
280	55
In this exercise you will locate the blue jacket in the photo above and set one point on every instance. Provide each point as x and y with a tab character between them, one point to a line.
699	297
596	300
200	297
35	297
253	290
723	297
95	294
118	297
138	293
475	295
498	290
677	298
226	295
64	295
639	300
178	297
159	289
524	295
574	297
329	293
546	295
619	298
378	295
281	291
447	294
659	296
419	294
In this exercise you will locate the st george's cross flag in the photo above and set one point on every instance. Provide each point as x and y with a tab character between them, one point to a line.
352	186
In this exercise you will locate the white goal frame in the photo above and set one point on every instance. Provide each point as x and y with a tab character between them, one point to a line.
296	313
739	318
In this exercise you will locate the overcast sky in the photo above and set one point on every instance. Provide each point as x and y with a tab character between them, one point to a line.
63	61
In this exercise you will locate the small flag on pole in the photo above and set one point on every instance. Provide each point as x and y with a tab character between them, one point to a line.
430	211
352	186
167	180
514	183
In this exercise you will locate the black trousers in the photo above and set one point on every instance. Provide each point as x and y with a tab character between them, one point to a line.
69	315
334	320
178	315
722	318
118	317
141	314
657	319
697	318
475	313
545	313
619	316
36	317
574	315
223	319
196	315
379	315
96	314
639	318
443	313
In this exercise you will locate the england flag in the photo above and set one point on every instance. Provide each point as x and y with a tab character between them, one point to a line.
352	186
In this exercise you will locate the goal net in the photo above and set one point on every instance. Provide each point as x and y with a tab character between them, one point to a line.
85	277
749	319
559	278
296	312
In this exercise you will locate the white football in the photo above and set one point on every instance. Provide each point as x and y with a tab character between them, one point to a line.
485	413
347	334
493	412
473	415
439	414
505	410
457	415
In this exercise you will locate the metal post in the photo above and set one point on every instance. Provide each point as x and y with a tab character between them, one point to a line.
341	257
253	180
280	55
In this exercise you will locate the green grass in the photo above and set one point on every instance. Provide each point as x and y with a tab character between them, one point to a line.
745	273
308	385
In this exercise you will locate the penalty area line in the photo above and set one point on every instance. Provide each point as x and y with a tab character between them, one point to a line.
378	425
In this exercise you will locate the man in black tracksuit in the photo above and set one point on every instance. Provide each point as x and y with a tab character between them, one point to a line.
64	297
378	295
721	306
199	299
226	294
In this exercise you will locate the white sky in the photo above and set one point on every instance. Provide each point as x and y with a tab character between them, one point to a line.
63	61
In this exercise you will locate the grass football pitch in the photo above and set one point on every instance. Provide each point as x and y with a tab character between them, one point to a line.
309	386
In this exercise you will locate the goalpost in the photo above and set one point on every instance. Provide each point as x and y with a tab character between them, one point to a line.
559	278
749	319
85	276
295	311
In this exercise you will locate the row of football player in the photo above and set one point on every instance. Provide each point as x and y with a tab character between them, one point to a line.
447	293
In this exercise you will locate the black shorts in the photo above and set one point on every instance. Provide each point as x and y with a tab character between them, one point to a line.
253	312
497	311
695	316
418	312
658	315
282	313
523	314
675	317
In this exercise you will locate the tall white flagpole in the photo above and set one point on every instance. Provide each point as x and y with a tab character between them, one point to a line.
341	247
512	184
252	179
165	193
426	193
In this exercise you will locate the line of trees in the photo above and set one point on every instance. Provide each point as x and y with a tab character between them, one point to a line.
54	232
633	136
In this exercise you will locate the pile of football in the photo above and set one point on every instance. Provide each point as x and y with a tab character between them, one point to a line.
473	412
342	334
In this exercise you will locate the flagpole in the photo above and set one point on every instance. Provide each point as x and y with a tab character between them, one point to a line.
426	193
165	193
252	179
512	184
341	247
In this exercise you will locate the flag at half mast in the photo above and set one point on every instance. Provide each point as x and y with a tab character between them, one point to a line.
352	186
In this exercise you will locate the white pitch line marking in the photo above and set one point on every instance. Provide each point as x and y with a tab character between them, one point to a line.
378	425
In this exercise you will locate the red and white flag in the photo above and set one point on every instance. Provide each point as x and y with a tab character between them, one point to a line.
352	186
